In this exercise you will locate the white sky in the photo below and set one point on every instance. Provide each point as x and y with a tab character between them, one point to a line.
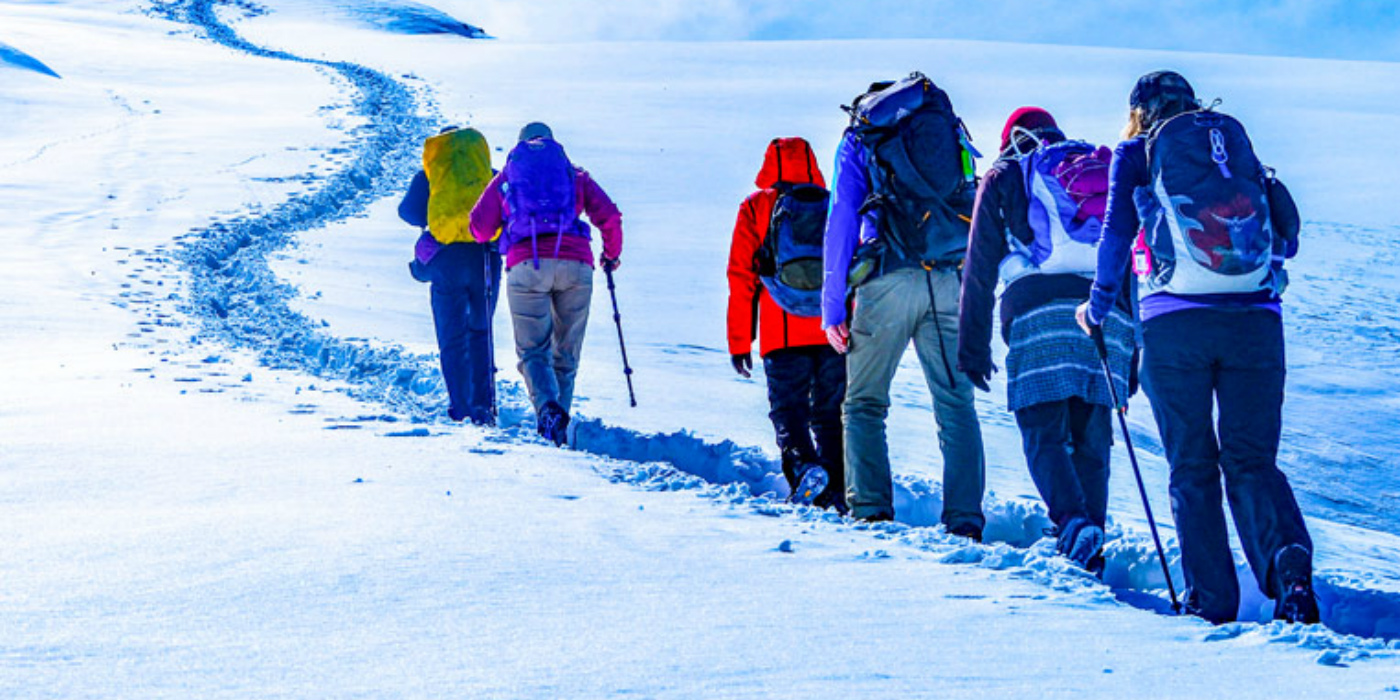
1355	29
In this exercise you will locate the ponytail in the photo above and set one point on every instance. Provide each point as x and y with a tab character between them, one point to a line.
1137	119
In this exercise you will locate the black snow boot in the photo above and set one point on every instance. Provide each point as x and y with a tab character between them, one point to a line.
1082	542
553	423
968	530
1294	600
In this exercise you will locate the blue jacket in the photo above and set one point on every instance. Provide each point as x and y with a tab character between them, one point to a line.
845	227
1126	172
413	209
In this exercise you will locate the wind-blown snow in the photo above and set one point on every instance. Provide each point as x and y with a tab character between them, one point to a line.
412	18
12	57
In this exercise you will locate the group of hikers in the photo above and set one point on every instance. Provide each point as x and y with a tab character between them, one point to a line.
909	243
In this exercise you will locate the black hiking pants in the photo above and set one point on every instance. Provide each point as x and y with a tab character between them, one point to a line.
806	386
1067	445
1194	361
466	279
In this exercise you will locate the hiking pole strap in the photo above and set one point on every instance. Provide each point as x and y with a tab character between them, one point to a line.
938	327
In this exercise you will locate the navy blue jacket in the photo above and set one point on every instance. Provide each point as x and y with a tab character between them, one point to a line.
414	207
1001	210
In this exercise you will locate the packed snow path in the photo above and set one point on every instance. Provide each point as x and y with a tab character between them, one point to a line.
239	302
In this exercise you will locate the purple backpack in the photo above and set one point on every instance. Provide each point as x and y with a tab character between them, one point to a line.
540	196
1066	191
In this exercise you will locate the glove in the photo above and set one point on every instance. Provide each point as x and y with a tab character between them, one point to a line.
743	362
979	379
610	264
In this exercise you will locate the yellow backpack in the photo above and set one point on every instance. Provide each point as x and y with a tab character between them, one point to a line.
458	166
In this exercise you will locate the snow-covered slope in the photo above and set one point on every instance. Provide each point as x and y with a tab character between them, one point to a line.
226	485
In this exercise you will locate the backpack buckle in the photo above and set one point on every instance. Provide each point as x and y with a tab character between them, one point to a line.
936	265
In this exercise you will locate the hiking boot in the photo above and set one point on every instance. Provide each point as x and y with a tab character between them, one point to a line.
1096	565
810	485
877	518
1294	599
832	499
1081	542
968	530
552	423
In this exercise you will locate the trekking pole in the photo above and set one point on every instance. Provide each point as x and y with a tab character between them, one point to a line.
492	290
617	318
1122	410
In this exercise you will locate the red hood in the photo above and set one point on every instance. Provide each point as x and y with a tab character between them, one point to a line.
789	160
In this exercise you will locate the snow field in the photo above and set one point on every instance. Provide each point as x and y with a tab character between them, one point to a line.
260	565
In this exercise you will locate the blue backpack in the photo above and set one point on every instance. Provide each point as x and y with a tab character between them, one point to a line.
1066	191
922	174
790	259
1205	215
540	197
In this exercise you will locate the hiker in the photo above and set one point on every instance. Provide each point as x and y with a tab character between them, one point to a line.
536	201
1216	228
775	271
896	234
464	274
1036	227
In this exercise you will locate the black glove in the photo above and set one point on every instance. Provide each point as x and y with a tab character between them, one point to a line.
979	379
610	264
743	362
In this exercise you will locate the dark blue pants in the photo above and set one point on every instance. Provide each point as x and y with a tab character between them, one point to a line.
1067	445
466	279
806	386
1193	362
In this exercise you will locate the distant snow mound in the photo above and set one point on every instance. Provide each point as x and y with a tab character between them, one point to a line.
13	57
405	17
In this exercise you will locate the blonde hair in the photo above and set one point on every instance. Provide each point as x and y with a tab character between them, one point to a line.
1137	119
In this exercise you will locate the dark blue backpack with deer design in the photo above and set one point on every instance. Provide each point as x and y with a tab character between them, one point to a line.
1205	214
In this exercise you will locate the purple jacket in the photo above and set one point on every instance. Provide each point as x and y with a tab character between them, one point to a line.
491	212
845	227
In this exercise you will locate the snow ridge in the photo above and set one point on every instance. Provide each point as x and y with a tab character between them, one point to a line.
11	56
413	18
239	302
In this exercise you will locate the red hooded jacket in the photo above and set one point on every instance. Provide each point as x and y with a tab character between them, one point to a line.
788	160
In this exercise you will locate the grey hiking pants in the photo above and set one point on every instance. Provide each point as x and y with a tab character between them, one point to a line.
890	311
549	310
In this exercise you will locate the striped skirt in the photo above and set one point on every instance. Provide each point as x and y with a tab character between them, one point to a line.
1051	359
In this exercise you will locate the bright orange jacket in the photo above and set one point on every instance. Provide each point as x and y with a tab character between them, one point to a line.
788	160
